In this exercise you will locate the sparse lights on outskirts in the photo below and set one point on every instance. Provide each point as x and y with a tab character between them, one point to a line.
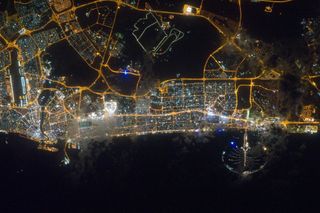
190	10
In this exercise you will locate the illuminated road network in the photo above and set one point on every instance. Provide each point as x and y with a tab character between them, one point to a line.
236	88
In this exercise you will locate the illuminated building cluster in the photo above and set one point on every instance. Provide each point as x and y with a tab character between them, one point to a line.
231	93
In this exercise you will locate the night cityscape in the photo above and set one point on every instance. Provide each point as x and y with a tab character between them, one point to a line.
159	105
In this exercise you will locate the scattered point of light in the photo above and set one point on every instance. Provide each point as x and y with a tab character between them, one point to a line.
66	161
268	9
220	130
210	113
94	116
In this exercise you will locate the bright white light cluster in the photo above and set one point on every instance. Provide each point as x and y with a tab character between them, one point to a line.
110	107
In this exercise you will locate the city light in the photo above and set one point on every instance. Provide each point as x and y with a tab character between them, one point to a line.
110	107
234	88
189	9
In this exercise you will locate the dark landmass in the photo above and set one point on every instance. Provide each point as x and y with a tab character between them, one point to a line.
67	62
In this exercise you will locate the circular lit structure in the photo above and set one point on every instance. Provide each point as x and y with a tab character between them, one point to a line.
245	159
110	107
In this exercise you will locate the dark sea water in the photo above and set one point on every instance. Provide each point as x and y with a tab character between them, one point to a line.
157	174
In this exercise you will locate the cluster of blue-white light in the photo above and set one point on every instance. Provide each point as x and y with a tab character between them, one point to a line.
233	145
